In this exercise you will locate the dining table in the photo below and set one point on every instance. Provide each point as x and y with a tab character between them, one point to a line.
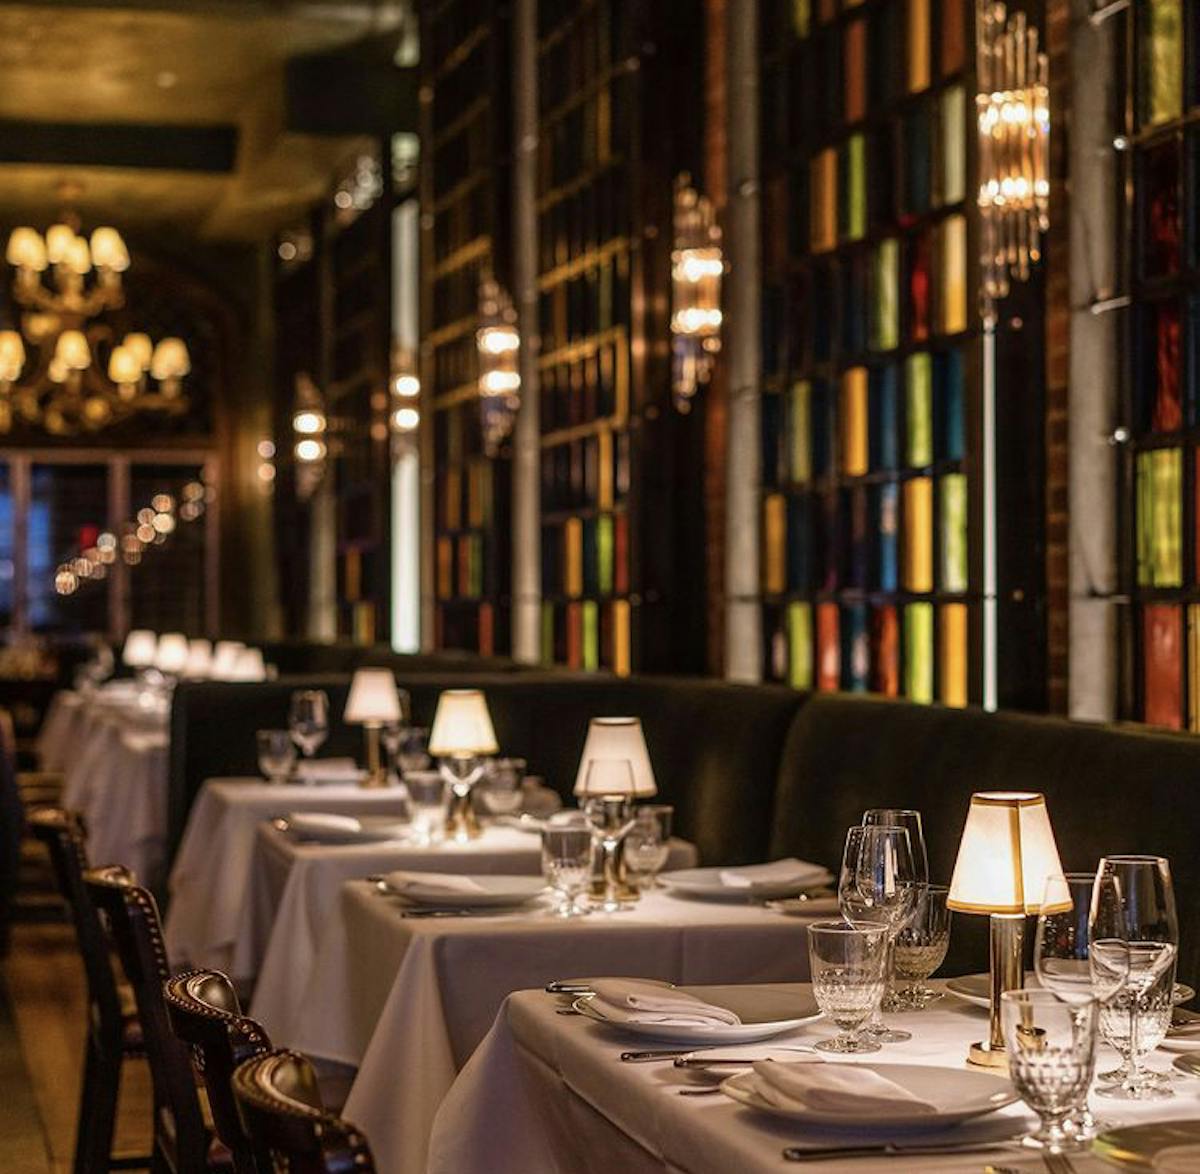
399	995
550	1093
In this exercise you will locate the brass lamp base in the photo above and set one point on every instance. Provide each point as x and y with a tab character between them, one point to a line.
1006	972
461	822
376	775
983	1055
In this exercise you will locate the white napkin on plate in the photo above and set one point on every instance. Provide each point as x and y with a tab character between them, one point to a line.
317	823
441	882
327	770
778	872
629	1000
835	1088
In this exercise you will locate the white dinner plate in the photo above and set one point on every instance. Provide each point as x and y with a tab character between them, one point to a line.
706	883
806	906
959	1093
495	892
976	988
372	829
764	1012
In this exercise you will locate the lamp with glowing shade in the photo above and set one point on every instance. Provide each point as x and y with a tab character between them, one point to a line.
199	659
139	649
225	657
373	702
1005	856
462	733
171	655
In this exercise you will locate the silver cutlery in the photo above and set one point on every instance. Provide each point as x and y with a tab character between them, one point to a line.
889	1149
726	1061
678	1054
562	986
699	1092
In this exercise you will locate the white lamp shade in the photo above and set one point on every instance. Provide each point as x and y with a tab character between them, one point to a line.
170	359
12	355
58	242
172	653
123	366
611	740
140	646
72	350
225	658
373	698
140	346
108	249
26	249
462	726
1005	856
199	660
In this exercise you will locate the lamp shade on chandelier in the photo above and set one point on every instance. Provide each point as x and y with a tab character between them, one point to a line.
62	366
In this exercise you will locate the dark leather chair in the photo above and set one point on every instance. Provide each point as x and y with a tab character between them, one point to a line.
182	1142
113	1032
287	1123
205	1014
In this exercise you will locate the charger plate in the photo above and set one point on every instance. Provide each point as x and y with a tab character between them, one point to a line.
976	989
1135	1147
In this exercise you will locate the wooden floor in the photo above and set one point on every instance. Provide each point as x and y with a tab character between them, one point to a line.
44	981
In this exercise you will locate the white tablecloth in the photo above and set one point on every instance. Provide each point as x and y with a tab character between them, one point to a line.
410	999
211	880
547	1093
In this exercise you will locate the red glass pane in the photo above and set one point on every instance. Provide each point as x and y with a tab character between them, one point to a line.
1162	665
885	651
1162	226
918	286
1168	374
829	652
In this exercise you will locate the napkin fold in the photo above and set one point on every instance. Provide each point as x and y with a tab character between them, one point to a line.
778	872
316	823
327	770
848	1089
630	1000
442	882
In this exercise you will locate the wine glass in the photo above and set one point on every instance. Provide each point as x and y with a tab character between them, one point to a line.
1132	918
392	733
308	719
878	886
648	843
500	790
910	820
276	754
920	947
846	962
412	750
568	858
608	787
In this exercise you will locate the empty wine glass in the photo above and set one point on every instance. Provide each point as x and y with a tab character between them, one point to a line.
1051	1046
308	719
920	947
411	750
568	858
500	788
647	845
608	787
846	962
878	886
910	820
276	754
1132	918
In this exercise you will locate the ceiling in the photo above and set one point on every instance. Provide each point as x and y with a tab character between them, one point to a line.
124	77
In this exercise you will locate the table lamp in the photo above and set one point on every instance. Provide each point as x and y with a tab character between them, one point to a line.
225	657
199	659
615	768
249	665
1006	854
462	732
171	655
373	701
140	646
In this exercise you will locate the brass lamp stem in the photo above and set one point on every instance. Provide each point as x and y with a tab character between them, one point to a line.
376	775
1007	973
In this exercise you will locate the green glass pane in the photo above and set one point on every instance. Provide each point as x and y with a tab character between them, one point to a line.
953	510
800	433
918	370
885	302
1160	518
1160	68
800	645
953	177
855	188
591	635
918	652
604	554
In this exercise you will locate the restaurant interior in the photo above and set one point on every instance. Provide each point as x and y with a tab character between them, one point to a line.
599	584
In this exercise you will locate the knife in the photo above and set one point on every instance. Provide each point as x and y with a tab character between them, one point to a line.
894	1150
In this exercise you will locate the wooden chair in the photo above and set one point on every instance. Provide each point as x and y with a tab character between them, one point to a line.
182	1142
287	1124
114	1034
205	1014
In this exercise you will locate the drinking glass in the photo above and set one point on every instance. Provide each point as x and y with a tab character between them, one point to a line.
308	719
1132	919
878	886
276	754
1051	1047
920	947
500	790
910	820
392	733
846	962
608	787
568	857
411	750
428	803
648	844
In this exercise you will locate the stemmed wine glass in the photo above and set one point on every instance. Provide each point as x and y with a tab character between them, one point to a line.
308	719
1133	920
648	844
878	885
609	786
393	733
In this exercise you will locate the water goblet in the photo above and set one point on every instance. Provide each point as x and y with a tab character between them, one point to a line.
877	885
568	858
308	719
846	961
500	790
1051	1048
276	754
920	947
411	750
428	805
648	844
608	786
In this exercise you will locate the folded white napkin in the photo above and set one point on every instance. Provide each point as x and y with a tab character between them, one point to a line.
442	882
630	1000
316	823
778	872
327	770
835	1088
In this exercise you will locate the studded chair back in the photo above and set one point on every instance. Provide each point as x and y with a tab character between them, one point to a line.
204	1012
181	1140
287	1123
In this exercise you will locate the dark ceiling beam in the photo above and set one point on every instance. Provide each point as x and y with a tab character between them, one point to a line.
352	91
155	147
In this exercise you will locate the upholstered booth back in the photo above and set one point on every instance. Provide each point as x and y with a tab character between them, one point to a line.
1109	789
296	657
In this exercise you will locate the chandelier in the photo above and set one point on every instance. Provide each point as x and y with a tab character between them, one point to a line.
80	376
499	345
697	266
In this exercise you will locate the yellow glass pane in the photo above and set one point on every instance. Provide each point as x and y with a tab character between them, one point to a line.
918	534
918	379
823	207
953	252
952	654
800	433
918	45
1160	518
918	652
855	457
573	557
885	302
622	659
1160	70
775	544
800	645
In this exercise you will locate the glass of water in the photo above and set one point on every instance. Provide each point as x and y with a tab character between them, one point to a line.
276	754
847	964
308	719
500	790
429	804
568	857
1051	1058
648	844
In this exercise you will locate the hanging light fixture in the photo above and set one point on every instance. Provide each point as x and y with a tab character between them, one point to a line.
309	424
404	415
697	266
499	345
